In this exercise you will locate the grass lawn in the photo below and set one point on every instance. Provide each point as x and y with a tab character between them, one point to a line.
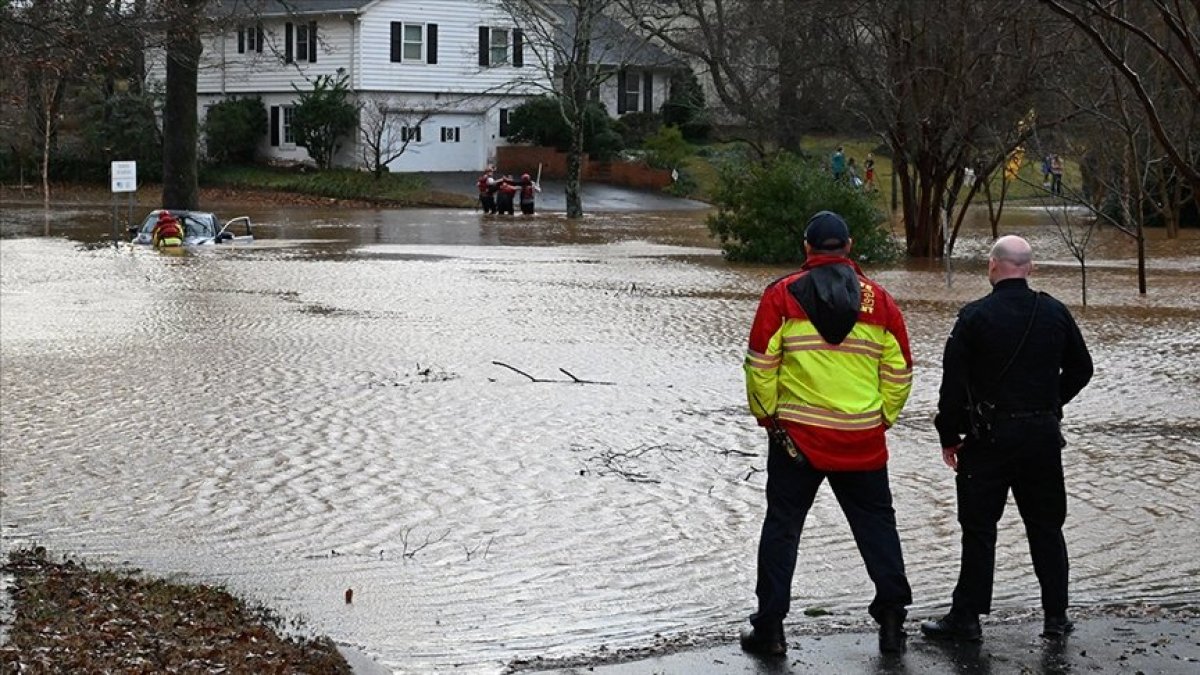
702	168
390	189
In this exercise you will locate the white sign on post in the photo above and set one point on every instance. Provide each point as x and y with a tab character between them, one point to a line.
124	176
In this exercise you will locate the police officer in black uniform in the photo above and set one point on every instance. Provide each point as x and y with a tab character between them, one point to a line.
1014	358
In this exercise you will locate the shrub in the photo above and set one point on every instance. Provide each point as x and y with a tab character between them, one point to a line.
233	129
762	209
685	107
636	127
666	149
123	127
540	121
323	116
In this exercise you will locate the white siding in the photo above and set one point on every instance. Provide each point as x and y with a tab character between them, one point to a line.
266	71
457	70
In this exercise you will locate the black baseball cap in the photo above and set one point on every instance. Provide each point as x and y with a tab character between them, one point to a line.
826	231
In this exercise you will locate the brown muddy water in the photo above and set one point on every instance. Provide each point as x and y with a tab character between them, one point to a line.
320	411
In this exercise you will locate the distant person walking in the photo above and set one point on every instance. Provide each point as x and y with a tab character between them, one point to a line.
1056	173
828	370
1046	171
1013	360
837	164
869	167
852	173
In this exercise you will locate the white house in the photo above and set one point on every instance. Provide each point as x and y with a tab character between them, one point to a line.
454	67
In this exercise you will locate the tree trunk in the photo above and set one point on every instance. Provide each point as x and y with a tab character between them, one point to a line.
788	132
180	124
575	170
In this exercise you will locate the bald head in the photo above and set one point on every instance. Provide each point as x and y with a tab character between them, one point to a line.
1011	258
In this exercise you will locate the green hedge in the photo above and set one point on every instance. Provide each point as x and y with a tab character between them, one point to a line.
762	208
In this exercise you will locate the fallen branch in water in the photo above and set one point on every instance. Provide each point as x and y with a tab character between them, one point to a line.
573	380
410	553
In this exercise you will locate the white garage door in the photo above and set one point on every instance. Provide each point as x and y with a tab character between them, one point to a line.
445	142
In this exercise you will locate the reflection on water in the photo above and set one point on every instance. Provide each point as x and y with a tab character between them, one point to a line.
321	411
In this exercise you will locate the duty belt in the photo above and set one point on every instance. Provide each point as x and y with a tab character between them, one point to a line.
1005	415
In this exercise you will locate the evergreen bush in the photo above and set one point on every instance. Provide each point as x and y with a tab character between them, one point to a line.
233	129
636	127
685	107
762	208
666	148
323	117
539	121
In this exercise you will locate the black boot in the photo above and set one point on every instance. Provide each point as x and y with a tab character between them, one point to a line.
764	640
954	626
1057	626
891	633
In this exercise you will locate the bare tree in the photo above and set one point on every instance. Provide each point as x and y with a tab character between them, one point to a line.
576	47
770	63
52	45
1168	31
949	84
386	130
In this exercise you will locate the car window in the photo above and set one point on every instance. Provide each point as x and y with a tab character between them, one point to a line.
198	226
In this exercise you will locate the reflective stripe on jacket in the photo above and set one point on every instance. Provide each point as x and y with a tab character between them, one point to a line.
835	400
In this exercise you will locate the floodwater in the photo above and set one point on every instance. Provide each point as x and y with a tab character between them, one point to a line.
324	410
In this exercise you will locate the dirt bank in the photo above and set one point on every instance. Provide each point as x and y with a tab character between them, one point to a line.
68	618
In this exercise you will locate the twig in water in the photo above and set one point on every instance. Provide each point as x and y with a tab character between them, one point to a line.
573	380
404	535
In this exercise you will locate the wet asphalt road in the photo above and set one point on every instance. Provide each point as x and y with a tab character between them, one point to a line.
1099	645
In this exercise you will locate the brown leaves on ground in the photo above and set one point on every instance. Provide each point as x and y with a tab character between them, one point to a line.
72	619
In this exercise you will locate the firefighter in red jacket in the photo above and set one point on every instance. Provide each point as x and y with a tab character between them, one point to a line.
505	195
828	366
487	190
527	189
167	231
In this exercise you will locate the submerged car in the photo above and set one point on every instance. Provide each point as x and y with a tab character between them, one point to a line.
199	228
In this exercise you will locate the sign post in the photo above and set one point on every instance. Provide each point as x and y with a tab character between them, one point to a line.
124	179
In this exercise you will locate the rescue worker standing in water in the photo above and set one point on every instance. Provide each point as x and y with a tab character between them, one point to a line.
1013	360
829	364
167	231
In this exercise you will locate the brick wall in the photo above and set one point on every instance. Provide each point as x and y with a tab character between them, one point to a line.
519	159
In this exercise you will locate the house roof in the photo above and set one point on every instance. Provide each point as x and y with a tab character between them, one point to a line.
284	7
613	44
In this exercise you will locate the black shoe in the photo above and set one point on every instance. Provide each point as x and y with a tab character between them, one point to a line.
764	642
1057	626
891	634
962	627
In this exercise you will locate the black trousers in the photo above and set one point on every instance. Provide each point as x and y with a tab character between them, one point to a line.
488	202
1024	456
865	498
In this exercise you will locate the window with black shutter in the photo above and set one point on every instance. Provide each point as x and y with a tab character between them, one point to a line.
621	78
287	43
241	40
484	45
302	42
312	41
431	41
274	126
647	93
518	55
504	123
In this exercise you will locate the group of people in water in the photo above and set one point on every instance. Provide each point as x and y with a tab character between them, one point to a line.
499	194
